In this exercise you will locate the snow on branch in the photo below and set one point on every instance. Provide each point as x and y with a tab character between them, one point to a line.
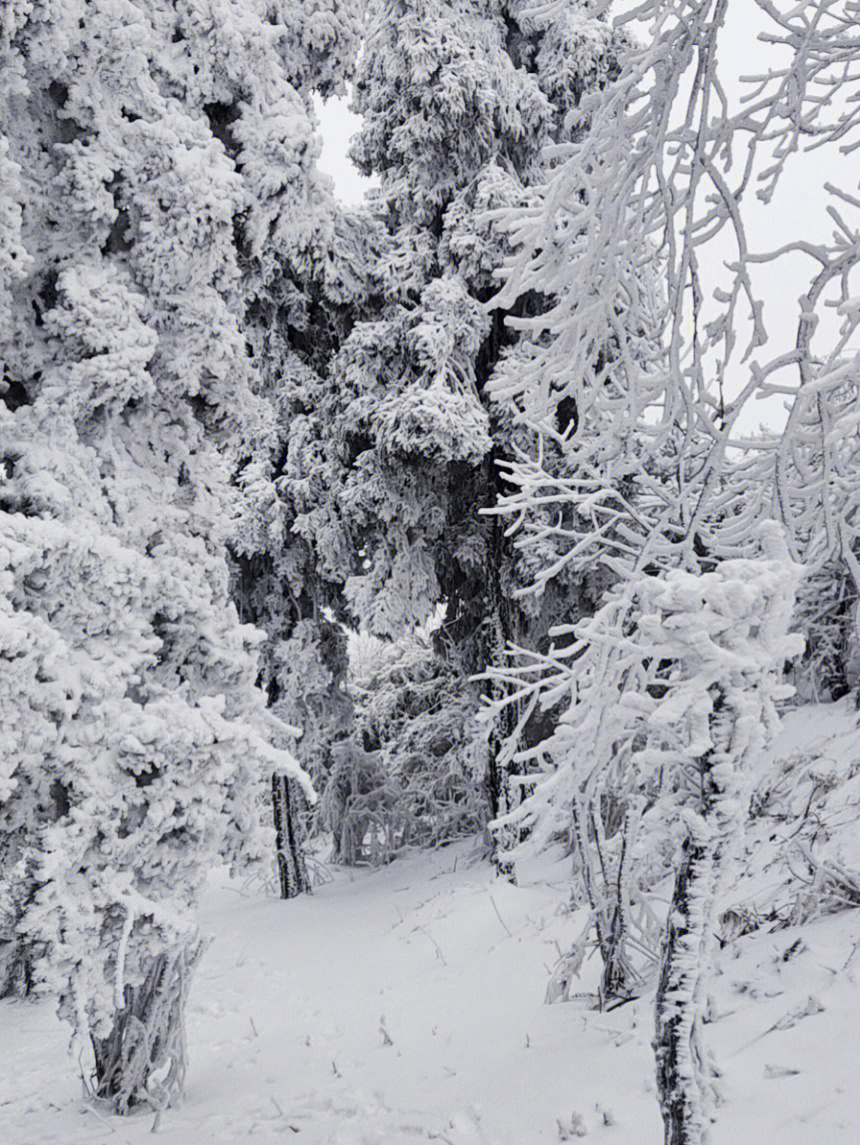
671	668
651	341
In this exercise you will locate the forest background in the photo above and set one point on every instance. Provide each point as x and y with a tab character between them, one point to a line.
512	390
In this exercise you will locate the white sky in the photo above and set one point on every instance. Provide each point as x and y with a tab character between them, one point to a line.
798	210
337	126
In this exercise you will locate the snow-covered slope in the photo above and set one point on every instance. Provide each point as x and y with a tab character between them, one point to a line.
407	1004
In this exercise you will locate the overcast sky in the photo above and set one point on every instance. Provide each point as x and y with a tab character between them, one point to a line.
338	125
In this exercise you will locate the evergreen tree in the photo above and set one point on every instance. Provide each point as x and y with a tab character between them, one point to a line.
458	99
302	282
144	147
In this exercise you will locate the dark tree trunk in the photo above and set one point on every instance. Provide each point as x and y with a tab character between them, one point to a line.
499	792
498	772
681	1074
148	1036
292	869
683	1077
18	886
15	968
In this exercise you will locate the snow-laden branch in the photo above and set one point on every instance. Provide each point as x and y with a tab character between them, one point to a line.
652	353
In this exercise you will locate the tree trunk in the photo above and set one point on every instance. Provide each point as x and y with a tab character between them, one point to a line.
498	782
292	869
499	791
148	1037
681	1073
17	887
684	1079
15	968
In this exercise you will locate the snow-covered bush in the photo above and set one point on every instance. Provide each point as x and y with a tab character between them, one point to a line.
360	807
801	856
411	772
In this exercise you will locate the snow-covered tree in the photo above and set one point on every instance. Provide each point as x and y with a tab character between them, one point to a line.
660	477
145	149
665	472
458	100
307	266
412	770
287	578
700	658
657	473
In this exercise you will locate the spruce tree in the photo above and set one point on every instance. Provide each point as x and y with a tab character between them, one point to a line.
459	101
304	276
144	147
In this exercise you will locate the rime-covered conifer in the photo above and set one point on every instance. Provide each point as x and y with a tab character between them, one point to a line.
304	274
458	101
146	149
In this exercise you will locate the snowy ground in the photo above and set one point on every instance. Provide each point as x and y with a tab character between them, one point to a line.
406	1004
